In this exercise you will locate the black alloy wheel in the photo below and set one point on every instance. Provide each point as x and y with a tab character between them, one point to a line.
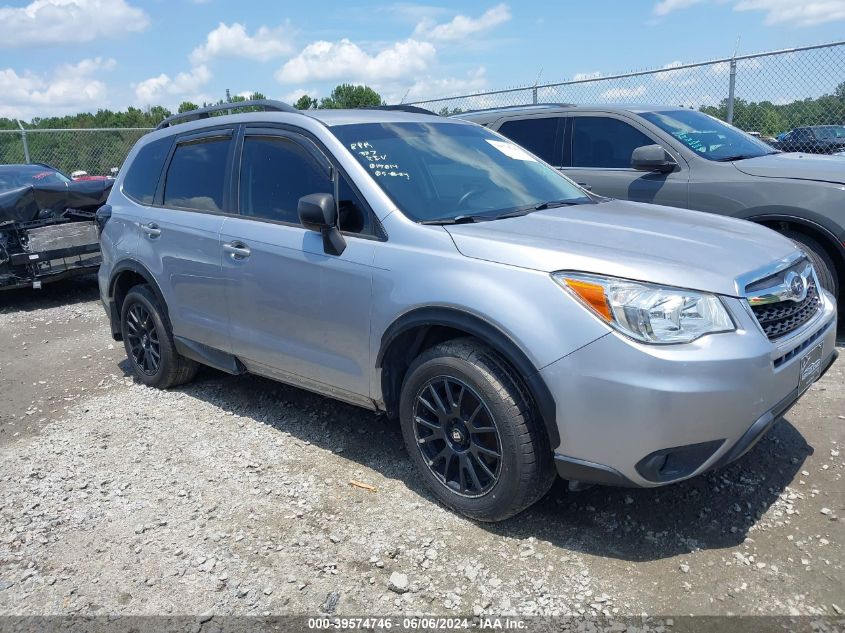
457	436
143	339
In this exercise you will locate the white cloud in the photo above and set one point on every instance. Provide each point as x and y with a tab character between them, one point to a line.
435	87
69	21
797	12
792	12
156	90
234	41
624	93
67	89
585	76
462	26
345	60
665	7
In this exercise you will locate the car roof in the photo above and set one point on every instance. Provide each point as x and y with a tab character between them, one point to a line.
302	118
363	115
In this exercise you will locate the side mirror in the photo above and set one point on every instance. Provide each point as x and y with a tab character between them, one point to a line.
318	212
652	158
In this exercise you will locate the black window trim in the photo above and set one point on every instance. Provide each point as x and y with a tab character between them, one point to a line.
634	123
557	148
313	146
162	171
191	138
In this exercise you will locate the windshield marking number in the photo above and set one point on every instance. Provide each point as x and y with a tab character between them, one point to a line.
374	161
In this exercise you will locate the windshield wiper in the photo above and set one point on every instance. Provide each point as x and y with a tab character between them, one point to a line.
728	159
512	213
569	202
458	219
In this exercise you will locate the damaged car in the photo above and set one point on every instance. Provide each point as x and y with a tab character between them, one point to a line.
48	227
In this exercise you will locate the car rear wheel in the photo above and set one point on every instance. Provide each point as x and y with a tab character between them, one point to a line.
472	433
149	342
822	262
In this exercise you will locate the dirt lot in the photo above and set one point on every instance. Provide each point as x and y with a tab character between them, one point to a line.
232	496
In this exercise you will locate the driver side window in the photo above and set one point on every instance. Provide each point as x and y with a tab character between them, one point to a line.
604	142
275	173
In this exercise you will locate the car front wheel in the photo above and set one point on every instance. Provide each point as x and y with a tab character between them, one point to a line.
472	432
149	342
822	263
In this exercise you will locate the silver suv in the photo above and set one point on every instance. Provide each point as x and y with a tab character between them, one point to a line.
428	268
684	158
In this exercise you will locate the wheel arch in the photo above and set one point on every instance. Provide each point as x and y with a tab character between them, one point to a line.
421	328
785	219
126	274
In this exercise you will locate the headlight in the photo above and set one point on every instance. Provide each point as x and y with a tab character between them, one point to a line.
647	312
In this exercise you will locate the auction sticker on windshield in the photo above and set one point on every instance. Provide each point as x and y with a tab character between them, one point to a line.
512	151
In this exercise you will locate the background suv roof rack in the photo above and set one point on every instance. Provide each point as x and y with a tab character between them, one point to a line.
402	108
203	113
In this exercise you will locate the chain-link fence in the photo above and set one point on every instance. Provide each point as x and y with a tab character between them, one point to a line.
795	98
95	151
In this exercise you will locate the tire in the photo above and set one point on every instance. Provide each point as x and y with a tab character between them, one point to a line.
822	262
489	396
149	342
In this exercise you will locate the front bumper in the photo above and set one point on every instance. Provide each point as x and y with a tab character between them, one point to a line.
642	415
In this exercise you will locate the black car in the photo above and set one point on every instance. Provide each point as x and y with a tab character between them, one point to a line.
47	225
815	139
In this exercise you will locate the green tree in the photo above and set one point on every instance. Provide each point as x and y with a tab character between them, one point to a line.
187	106
351	96
305	103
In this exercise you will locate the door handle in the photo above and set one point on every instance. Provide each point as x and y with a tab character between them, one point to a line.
237	250
152	230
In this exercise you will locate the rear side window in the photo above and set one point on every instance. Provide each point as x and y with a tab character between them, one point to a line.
275	173
142	178
197	174
538	136
604	142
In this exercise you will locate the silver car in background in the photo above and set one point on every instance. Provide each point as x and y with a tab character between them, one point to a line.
684	158
428	268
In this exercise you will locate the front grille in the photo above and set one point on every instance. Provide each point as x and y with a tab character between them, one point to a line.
781	318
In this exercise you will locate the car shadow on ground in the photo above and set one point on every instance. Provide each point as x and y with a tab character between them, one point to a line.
51	295
712	511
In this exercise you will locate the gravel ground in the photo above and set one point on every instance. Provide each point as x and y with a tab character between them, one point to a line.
232	495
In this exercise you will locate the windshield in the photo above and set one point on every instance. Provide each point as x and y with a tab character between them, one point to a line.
442	171
708	137
14	176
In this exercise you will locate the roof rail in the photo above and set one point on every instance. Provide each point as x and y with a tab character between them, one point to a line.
203	113
402	108
519	107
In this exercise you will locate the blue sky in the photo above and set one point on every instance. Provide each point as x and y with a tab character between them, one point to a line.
65	56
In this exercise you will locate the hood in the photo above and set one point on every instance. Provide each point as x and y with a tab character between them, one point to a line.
796	166
663	245
36	202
